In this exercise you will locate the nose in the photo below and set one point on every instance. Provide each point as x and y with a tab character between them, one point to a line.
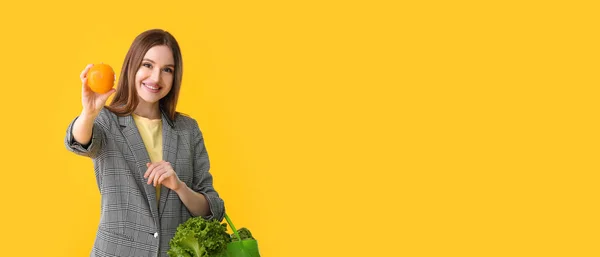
155	76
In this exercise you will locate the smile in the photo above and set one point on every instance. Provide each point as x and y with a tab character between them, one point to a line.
151	88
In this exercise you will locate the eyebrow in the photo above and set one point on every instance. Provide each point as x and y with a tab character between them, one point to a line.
146	59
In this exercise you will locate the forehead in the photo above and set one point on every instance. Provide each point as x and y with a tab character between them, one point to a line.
160	54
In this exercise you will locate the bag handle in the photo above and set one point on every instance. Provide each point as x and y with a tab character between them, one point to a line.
232	227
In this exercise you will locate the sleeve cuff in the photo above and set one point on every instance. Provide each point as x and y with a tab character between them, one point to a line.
77	147
215	207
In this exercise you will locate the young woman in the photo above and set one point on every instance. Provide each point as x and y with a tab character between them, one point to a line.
150	162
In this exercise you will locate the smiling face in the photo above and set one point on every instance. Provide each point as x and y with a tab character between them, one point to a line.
154	78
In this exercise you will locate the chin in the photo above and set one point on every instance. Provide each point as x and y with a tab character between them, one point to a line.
150	100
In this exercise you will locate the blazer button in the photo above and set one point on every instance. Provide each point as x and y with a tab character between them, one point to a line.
155	234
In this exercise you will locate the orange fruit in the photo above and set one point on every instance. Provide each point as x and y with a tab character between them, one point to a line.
101	78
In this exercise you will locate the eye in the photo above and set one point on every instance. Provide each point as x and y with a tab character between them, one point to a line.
147	65
169	70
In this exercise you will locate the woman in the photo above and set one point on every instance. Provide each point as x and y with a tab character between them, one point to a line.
151	166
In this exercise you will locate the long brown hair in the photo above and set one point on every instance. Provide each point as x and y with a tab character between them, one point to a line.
126	99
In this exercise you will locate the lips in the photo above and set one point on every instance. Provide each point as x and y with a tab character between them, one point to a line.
153	88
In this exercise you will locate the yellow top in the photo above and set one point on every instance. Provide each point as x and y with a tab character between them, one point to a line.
151	132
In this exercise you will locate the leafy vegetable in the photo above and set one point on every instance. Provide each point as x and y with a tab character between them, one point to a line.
198	237
244	234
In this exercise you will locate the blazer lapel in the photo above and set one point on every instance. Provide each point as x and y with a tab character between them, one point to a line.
170	138
137	147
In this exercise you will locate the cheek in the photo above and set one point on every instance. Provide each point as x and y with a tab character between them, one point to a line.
141	75
168	81
138	76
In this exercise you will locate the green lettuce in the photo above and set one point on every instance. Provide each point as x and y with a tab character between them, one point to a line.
198	237
244	234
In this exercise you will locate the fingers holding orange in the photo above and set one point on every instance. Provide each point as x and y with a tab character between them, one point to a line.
83	74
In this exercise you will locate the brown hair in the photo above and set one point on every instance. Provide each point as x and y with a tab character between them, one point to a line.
125	100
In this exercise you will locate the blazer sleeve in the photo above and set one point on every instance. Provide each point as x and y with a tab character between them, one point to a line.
202	180
94	146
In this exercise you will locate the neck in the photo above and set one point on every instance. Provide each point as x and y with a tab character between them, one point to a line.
147	110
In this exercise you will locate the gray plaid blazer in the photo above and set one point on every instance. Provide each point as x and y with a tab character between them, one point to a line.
130	222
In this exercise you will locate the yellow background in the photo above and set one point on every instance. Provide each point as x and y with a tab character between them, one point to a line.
334	128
